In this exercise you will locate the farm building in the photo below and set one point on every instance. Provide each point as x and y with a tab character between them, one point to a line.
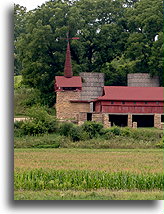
84	97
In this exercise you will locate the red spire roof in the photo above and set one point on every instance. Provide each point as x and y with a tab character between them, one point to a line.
68	66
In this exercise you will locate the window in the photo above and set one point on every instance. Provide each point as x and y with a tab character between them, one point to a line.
112	102
69	88
134	102
146	102
123	102
157	103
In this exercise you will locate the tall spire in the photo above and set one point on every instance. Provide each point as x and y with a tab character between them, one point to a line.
68	66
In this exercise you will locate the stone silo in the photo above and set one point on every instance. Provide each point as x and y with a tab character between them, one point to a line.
92	85
142	80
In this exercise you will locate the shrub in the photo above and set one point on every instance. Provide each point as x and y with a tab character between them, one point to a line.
160	144
17	128
41	141
75	133
126	131
116	130
33	128
94	129
65	128
39	122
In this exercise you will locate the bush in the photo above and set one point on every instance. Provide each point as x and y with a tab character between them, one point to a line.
17	128
116	130
160	145
94	129
39	122
76	133
126	131
65	128
33	128
41	141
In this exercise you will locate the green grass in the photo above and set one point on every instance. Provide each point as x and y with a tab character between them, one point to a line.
102	194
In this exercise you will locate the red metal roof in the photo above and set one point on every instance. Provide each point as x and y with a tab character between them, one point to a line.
133	93
74	81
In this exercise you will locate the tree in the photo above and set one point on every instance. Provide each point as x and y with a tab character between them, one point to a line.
116	37
42	51
19	28
145	22
156	58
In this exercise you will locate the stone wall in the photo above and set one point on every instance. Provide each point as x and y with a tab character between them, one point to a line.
142	80
129	120
97	117
105	120
157	121
67	110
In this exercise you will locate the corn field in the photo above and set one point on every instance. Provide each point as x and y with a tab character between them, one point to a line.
41	179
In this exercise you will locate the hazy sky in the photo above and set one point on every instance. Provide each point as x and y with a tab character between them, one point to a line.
29	4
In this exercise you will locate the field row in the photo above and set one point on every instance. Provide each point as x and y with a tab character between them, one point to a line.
110	160
40	179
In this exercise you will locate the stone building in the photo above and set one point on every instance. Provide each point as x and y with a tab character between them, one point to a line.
84	97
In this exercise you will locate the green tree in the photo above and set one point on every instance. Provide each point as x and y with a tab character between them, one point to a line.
145	22
19	28
42	51
156	58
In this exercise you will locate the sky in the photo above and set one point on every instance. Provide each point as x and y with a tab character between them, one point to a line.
29	4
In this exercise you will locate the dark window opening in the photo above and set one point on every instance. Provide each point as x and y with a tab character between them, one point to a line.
157	103
143	120
146	102
162	118
134	102
89	116
112	102
69	88
118	120
123	102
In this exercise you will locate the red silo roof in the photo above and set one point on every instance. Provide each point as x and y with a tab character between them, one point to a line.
74	81
133	93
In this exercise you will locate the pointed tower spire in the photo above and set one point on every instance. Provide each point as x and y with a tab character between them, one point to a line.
68	66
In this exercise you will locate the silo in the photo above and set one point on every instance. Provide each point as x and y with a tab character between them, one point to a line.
92	85
142	80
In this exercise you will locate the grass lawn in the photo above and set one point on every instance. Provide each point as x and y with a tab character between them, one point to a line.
102	194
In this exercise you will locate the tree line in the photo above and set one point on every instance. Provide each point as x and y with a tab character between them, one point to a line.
117	37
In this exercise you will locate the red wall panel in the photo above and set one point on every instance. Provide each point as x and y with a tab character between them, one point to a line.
129	107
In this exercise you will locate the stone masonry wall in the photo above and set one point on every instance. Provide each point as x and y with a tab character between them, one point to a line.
157	121
97	117
67	110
